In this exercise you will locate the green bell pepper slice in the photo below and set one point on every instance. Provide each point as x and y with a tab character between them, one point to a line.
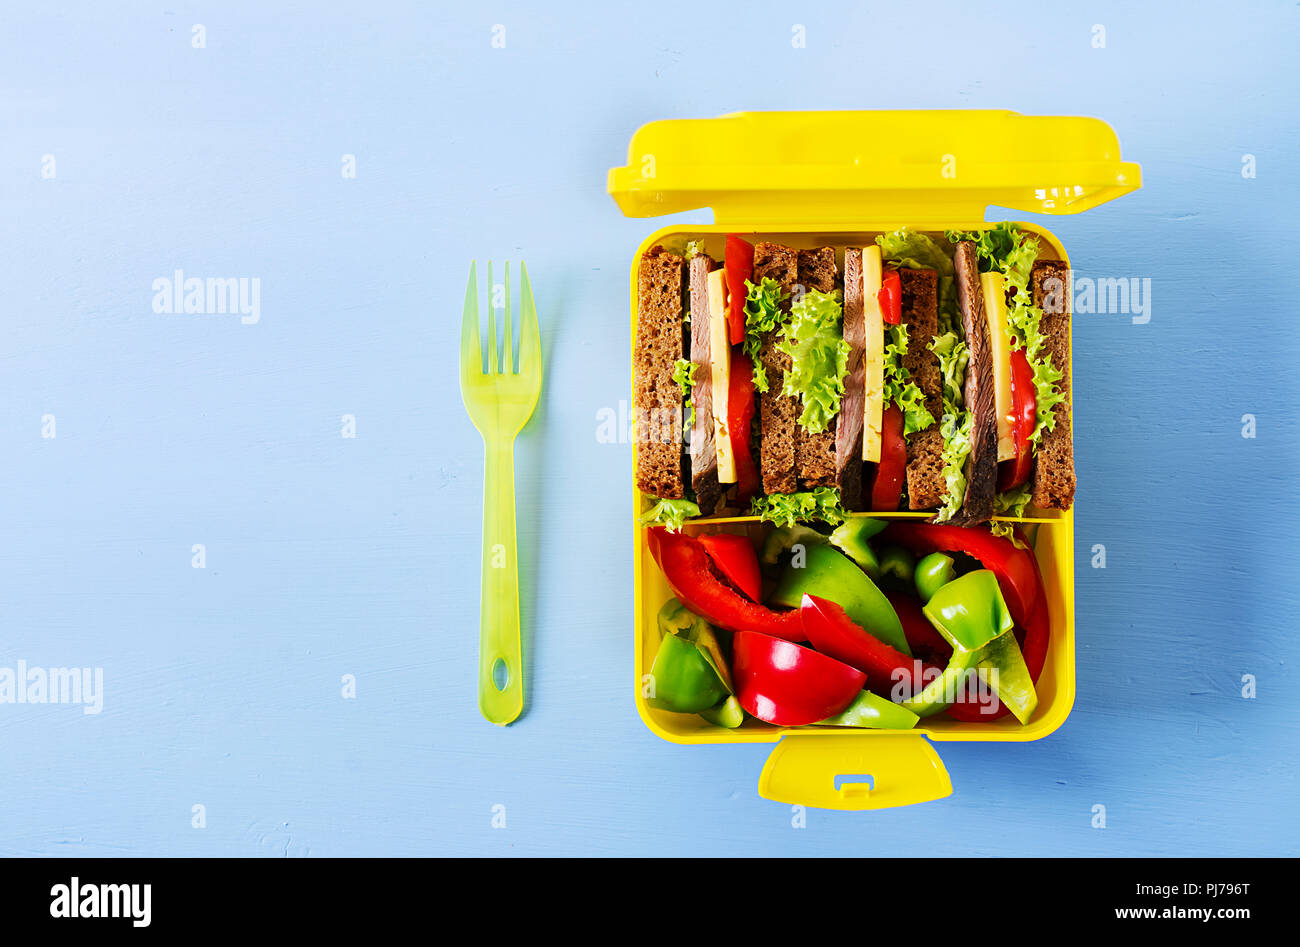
934	697
727	714
873	711
829	574
676	619
970	611
851	537
783	538
972	616
684	680
932	573
1012	680
897	565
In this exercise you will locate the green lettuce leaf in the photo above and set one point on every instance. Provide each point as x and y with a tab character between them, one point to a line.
899	387
786	509
762	315
1013	502
669	513
953	356
906	247
956	448
1047	390
1006	249
1007	531
684	375
819	356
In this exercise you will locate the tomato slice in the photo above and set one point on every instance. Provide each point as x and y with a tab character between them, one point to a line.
739	263
1024	413
890	298
740	416
887	488
735	558
786	684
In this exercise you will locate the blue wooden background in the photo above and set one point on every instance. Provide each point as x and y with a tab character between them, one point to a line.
328	556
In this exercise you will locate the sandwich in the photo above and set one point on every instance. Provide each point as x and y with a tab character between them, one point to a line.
673	393
917	372
1000	344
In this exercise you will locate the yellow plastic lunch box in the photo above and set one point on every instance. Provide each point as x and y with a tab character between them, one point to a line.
808	179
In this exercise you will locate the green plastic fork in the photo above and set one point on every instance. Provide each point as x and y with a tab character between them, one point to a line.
500	401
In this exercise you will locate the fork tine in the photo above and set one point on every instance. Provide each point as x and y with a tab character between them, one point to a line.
492	323
471	351
530	341
507	331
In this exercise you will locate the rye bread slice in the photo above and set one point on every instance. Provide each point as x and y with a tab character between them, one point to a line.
1054	476
657	399
926	486
778	414
817	269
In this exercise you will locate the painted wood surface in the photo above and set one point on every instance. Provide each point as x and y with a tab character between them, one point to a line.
326	556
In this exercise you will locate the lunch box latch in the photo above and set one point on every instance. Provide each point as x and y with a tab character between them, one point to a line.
845	771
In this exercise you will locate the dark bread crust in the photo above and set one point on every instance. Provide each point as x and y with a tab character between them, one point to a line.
778	414
848	425
704	456
1054	475
815	453
982	464
657	399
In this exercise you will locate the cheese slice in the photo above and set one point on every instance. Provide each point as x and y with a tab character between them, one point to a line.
873	355
995	309
720	356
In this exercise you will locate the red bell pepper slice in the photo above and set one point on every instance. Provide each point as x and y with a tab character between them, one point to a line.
1024	414
695	580
890	298
789	685
830	630
887	487
740	417
736	559
739	262
1033	644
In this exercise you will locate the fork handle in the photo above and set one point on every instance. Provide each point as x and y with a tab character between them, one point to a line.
499	606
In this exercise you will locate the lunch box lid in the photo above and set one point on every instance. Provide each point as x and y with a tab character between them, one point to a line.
925	166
